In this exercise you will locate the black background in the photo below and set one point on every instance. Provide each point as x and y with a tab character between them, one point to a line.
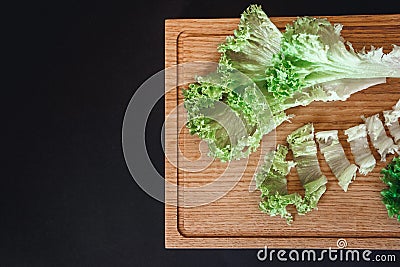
67	198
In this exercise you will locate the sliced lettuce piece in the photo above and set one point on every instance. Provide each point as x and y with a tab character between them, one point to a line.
304	148
250	50
313	52
392	121
382	143
357	137
333	152
238	85
271	181
391	194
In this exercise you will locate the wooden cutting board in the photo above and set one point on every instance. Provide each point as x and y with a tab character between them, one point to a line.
234	220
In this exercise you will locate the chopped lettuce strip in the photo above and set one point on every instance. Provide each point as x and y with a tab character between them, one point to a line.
333	152
304	148
271	181
313	52
357	137
392	122
381	142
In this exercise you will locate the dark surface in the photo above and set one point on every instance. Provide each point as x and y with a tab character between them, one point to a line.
67	198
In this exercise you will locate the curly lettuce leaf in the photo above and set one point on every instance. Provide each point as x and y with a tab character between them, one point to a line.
271	181
333	152
304	148
250	50
313	52
357	138
338	90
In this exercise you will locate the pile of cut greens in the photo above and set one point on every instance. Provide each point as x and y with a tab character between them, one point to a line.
262	72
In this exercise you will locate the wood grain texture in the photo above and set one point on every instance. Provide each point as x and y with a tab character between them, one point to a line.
234	221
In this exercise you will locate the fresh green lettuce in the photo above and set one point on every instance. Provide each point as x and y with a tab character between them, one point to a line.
313	52
230	112
391	194
392	121
381	142
333	152
238	85
250	50
263	72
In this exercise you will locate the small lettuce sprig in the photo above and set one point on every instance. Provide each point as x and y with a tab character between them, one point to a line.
392	121
264	71
391	195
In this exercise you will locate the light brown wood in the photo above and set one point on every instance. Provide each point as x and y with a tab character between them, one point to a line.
234	220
